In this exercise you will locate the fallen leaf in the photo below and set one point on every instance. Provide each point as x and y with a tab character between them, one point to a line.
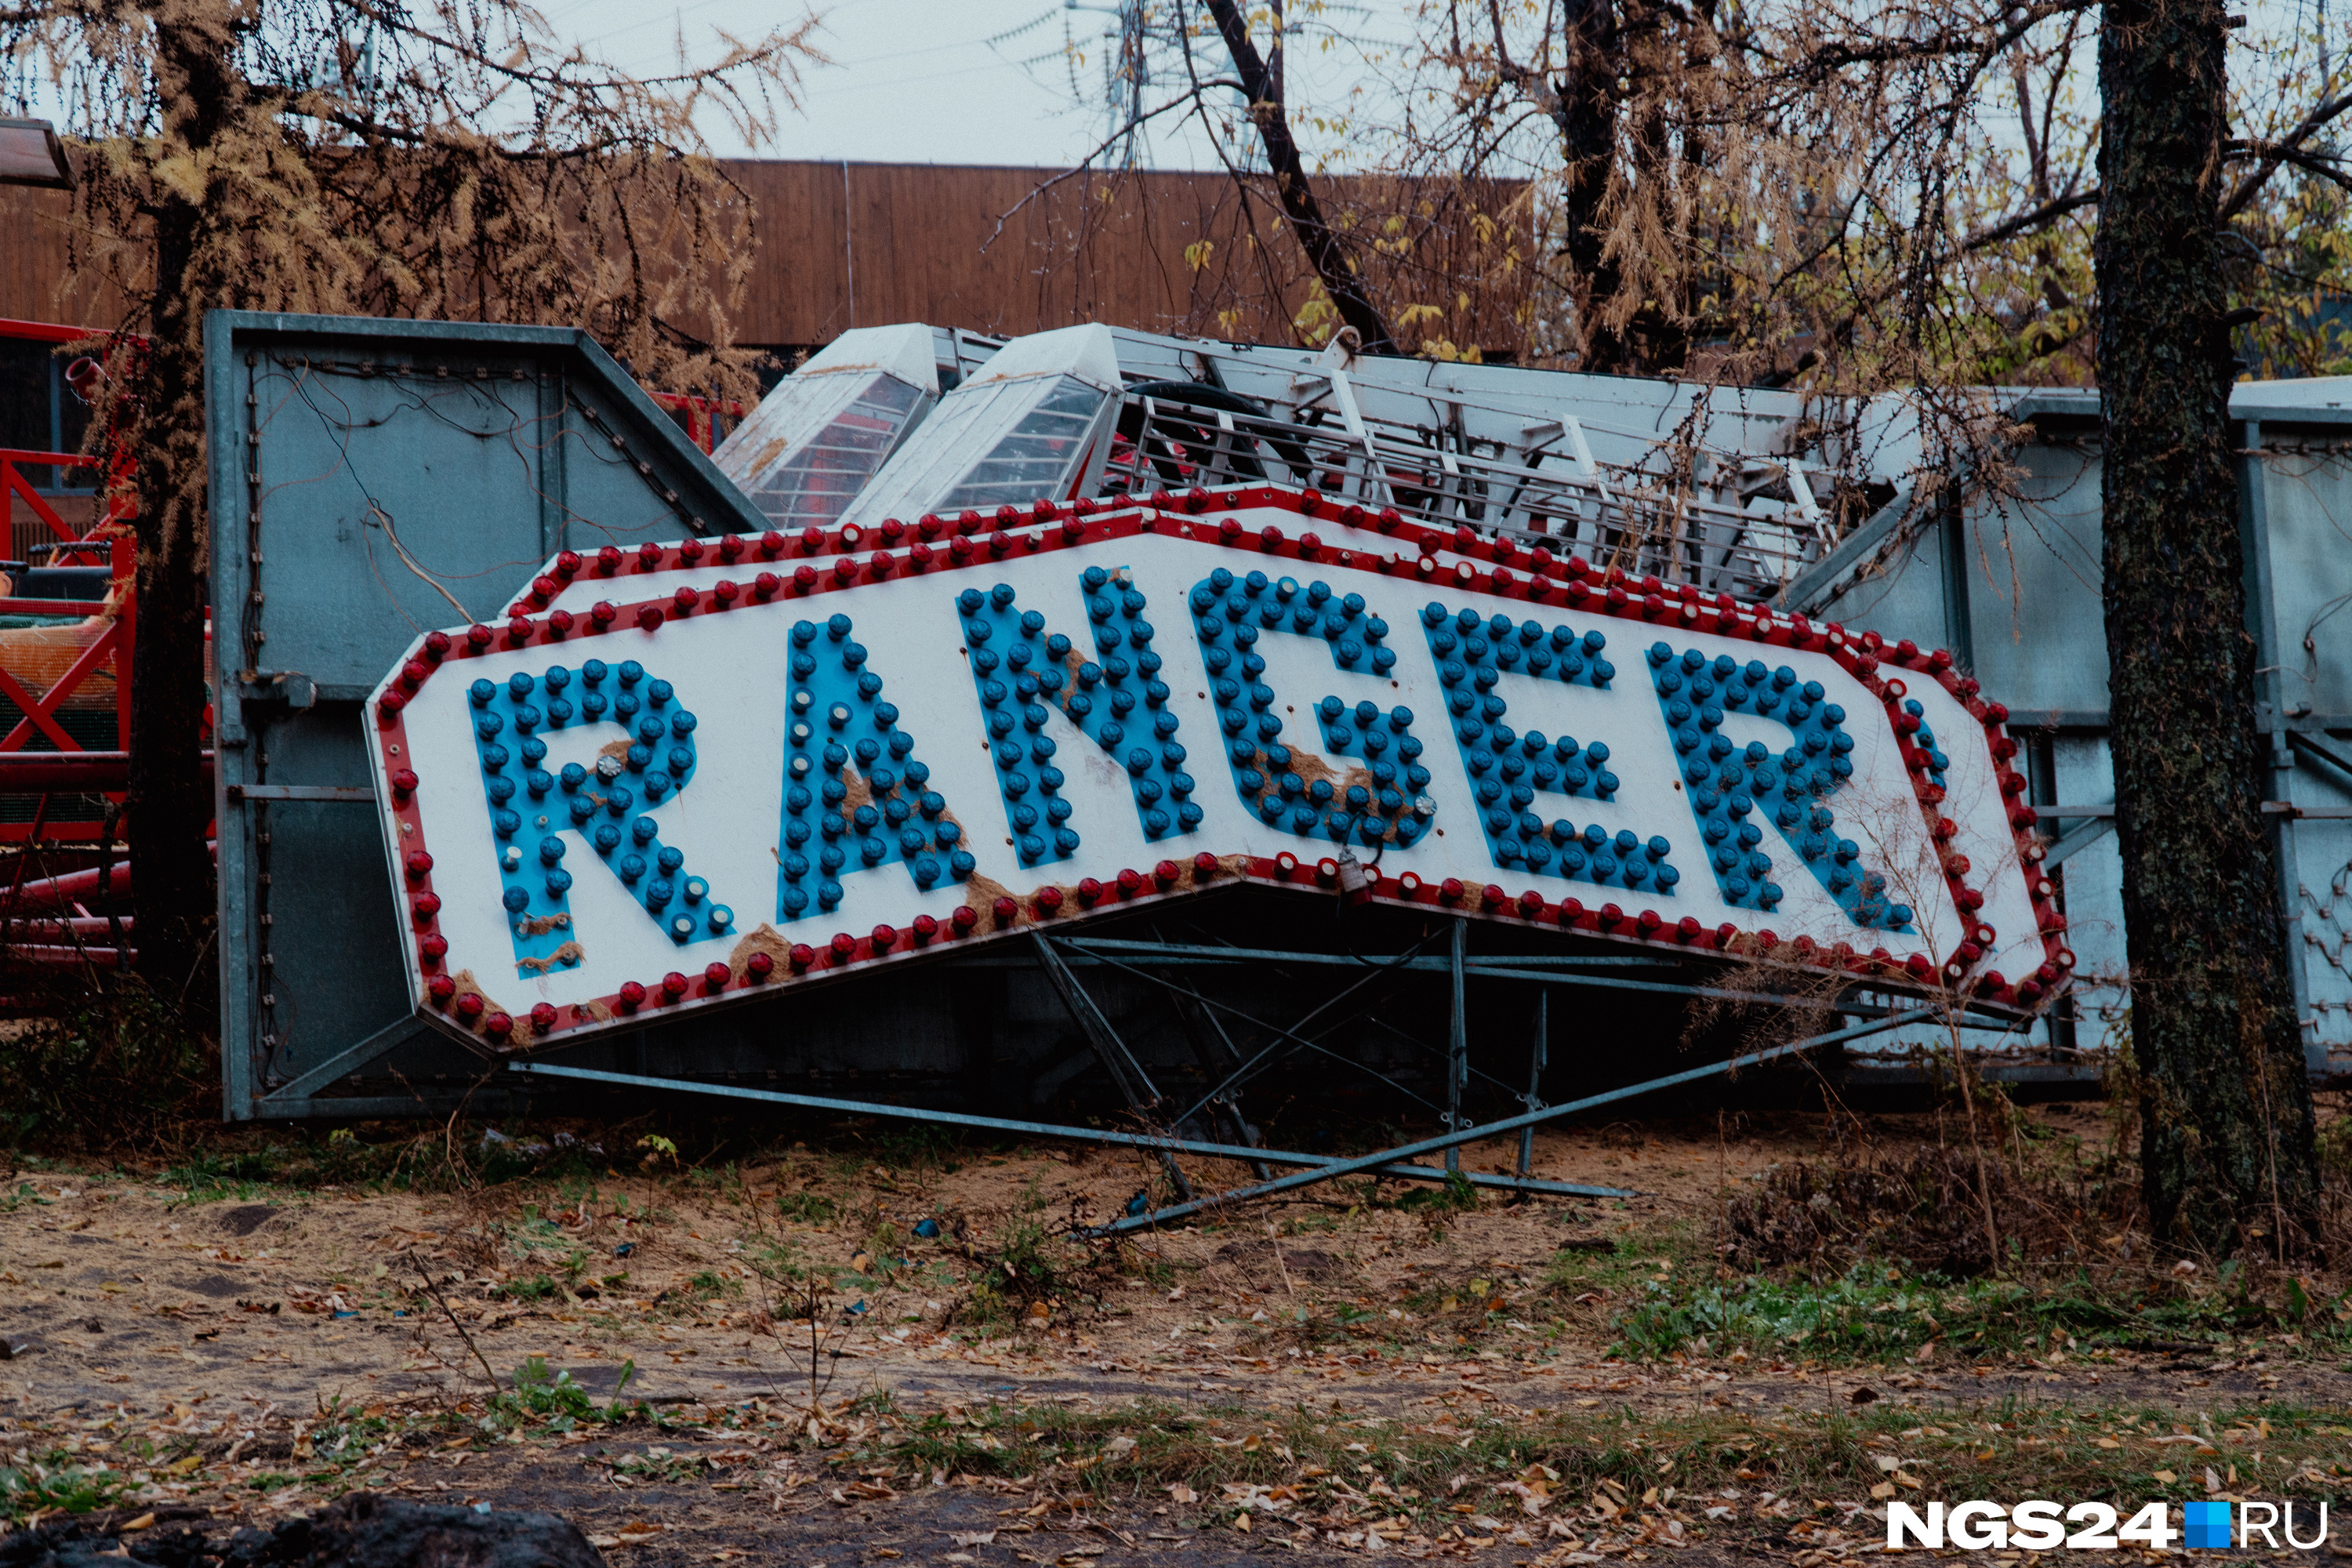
1883	1490
144	1521
1887	1462
1179	1492
2166	1477
1241	1523
974	1538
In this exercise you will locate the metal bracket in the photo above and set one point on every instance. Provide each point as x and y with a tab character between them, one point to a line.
353	795
345	1062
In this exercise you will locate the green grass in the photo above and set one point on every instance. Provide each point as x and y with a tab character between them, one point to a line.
57	1482
808	1208
1872	1313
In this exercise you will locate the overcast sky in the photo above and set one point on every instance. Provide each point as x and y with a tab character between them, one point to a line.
959	81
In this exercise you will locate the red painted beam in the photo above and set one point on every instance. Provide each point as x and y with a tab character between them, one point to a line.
27	772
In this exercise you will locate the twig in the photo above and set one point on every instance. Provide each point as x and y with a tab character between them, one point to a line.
426	1279
1083	164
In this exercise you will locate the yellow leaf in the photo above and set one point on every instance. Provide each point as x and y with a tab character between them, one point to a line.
144	1521
1883	1490
182	1467
2166	1477
1241	1523
2109	1442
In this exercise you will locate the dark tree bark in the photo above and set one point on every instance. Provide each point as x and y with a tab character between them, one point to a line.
1583	108
1325	251
169	802
2226	1114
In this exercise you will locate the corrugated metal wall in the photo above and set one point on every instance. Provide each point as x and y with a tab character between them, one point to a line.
2014	591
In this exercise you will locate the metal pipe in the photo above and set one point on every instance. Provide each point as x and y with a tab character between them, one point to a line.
66	957
1457	1047
1379	1166
79	925
77	887
1537	1059
1455	1138
73	887
1161	951
95	772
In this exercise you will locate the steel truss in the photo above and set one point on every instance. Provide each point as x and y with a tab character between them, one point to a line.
1167	1127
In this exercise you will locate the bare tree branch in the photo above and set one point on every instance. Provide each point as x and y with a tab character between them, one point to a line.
1262	84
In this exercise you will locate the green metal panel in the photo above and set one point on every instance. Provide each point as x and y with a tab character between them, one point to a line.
370	478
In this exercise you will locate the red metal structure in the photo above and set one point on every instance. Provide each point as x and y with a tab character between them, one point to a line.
65	663
705	420
64	656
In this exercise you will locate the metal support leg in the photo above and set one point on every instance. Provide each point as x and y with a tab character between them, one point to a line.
1142	1096
527	1071
1538	1059
1218	1059
1457	1061
1459	1136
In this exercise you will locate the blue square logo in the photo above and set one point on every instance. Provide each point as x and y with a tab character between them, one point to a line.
2208	1525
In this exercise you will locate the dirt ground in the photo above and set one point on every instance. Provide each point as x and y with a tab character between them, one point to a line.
229	1321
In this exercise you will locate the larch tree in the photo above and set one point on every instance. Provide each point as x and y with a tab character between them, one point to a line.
449	158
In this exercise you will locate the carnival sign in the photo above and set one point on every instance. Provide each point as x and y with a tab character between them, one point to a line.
687	775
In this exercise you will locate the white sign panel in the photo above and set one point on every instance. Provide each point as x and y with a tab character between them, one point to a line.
715	778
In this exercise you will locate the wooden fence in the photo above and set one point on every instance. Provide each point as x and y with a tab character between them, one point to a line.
1020	250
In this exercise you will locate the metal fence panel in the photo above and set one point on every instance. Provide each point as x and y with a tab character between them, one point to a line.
370	477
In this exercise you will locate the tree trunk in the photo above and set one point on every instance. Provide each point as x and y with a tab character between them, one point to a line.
169	802
2226	1115
1584	110
1324	250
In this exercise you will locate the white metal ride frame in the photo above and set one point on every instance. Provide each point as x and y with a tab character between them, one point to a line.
1721	488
